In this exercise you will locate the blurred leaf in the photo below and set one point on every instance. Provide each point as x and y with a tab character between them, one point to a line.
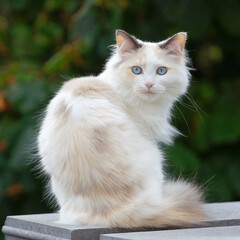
224	123
207	91
21	40
182	158
54	5
57	63
8	127
27	97
194	15
24	144
14	189
18	5
228	16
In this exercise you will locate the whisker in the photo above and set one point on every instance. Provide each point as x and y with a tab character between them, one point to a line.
210	179
188	106
184	119
169	95
196	107
196	104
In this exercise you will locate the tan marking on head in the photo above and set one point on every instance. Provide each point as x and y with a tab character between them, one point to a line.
158	51
142	55
135	59
129	74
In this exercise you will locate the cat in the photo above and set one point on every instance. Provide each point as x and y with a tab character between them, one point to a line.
99	140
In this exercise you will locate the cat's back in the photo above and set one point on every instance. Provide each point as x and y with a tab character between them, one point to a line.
84	116
90	88
83	97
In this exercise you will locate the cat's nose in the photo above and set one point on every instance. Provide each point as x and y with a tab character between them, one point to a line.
149	85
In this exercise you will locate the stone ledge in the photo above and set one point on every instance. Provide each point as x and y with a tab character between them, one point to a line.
45	226
215	233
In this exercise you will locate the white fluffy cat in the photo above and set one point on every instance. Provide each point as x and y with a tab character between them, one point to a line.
98	140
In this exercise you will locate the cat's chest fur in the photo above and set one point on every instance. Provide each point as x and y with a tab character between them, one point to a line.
151	122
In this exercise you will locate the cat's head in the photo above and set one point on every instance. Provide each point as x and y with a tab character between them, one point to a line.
150	71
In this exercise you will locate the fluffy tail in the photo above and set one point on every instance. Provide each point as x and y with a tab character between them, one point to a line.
182	204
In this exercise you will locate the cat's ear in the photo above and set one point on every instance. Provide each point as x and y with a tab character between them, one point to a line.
175	44
125	42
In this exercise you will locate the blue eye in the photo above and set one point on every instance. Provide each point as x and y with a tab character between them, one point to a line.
136	70
161	70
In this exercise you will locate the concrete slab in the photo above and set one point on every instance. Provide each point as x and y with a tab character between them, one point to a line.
215	233
45	226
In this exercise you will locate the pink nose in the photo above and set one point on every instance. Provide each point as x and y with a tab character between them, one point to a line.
149	85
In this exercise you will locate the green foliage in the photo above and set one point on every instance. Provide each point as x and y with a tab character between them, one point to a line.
41	42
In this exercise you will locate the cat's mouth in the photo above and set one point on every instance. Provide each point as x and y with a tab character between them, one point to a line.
149	92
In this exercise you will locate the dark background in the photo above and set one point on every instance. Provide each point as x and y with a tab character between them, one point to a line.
45	42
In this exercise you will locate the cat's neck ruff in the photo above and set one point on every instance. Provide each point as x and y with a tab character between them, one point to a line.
153	121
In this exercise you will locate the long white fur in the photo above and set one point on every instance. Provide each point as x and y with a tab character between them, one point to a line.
98	144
